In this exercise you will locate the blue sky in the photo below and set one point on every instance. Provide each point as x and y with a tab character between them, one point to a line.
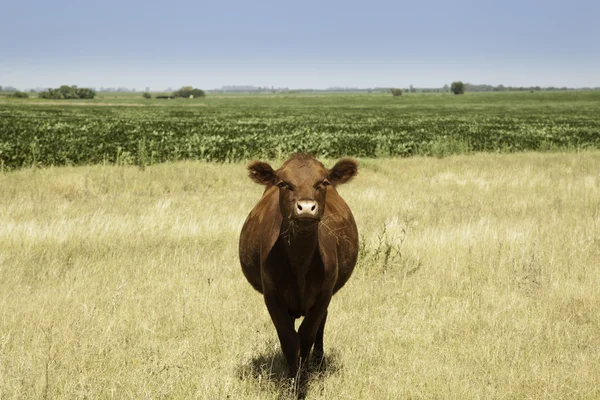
302	44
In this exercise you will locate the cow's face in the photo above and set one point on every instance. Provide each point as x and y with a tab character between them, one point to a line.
303	183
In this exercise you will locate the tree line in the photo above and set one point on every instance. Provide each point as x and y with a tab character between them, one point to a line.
68	92
457	87
186	92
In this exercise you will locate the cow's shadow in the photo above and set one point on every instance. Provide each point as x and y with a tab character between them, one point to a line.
269	369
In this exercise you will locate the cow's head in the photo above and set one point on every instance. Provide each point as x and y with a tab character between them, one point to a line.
303	183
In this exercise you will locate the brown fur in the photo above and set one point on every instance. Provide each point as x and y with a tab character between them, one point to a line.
295	264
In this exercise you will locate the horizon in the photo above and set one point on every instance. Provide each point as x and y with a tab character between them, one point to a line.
254	88
312	45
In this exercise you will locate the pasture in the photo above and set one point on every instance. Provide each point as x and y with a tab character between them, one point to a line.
477	278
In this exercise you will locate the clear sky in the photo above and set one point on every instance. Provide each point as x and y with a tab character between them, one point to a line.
299	44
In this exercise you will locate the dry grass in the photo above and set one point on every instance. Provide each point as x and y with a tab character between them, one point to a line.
478	278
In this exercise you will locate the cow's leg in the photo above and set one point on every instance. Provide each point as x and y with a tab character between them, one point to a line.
284	324
313	323
318	352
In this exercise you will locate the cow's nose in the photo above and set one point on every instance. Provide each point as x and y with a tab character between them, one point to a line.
306	208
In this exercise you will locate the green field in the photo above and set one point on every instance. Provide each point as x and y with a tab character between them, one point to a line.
477	278
126	129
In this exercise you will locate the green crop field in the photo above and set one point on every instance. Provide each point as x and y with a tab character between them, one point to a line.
126	129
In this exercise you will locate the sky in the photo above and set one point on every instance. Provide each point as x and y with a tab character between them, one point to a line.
301	44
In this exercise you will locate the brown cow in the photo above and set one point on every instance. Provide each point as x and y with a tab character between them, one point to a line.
298	247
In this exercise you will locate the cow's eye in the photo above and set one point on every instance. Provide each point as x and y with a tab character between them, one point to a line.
322	184
283	185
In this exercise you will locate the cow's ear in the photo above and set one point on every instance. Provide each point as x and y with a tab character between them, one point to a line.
343	171
261	172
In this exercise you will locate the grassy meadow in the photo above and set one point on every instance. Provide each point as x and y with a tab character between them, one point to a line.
477	278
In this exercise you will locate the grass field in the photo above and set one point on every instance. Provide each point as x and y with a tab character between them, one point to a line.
478	278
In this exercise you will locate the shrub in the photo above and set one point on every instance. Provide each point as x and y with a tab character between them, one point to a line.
20	95
85	93
188	91
68	92
147	95
457	87
396	92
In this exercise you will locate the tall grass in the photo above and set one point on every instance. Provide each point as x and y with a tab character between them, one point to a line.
477	278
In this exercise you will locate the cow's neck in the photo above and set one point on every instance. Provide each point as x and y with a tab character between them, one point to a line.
299	246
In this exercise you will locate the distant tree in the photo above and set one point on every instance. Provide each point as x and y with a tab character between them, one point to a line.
411	89
85	93
198	93
457	87
396	92
188	91
20	95
45	94
68	92
147	95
